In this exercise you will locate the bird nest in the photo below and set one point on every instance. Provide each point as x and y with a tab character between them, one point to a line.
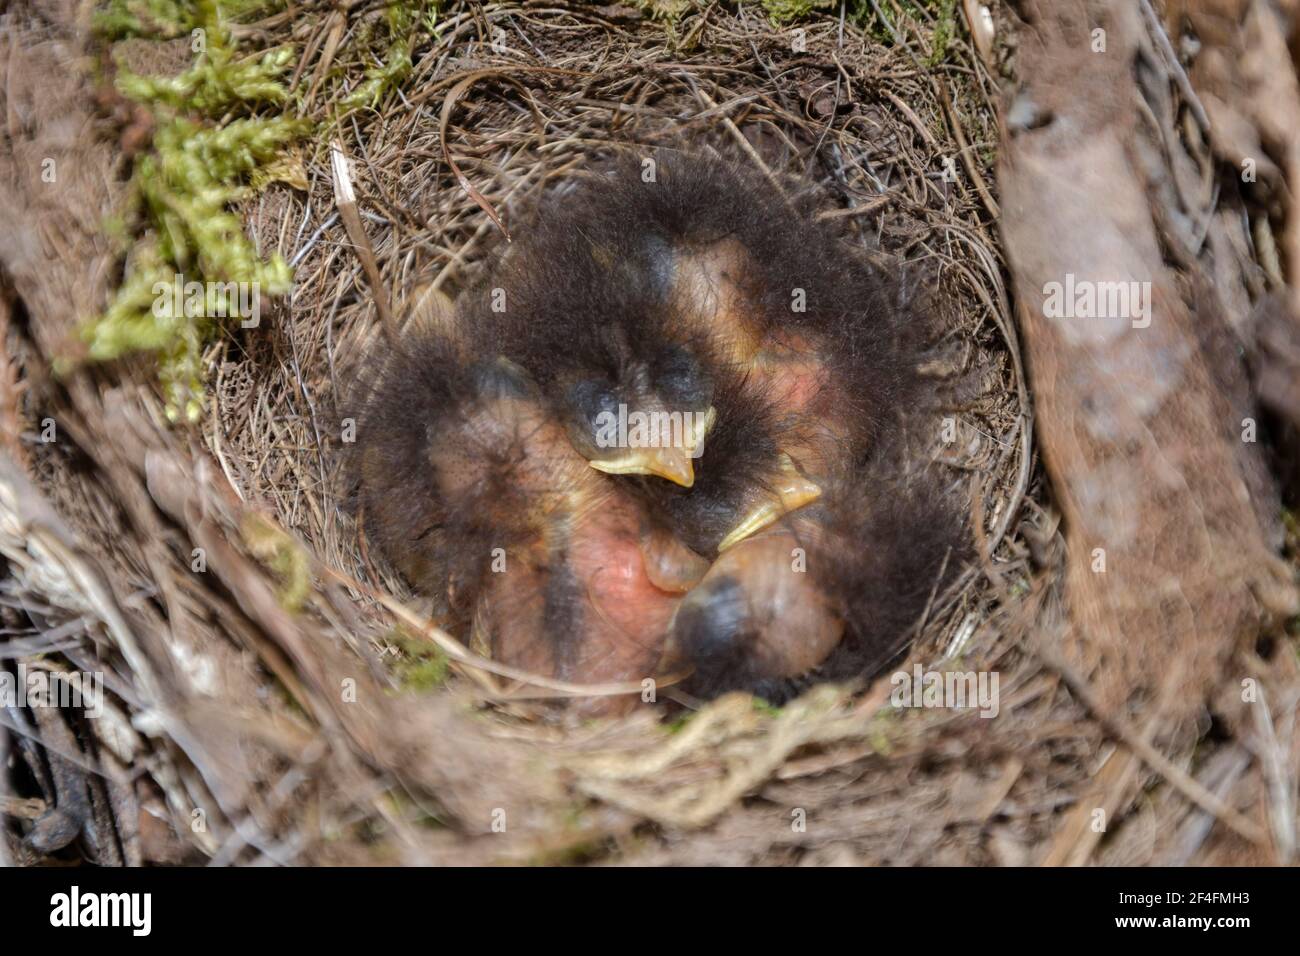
276	693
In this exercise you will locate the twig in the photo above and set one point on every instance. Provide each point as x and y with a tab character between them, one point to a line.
1120	729
1171	60
448	107
346	200
459	653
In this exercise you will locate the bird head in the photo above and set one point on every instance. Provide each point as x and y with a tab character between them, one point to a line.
648	417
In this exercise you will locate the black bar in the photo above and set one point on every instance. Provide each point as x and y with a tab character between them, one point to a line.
546	907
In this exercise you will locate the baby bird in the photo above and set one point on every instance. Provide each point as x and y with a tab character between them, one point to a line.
602	344
676	404
798	353
476	495
827	592
680	286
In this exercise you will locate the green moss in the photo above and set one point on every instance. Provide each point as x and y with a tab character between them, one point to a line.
668	11
215	83
678	724
282	555
422	667
945	23
168	19
406	22
783	11
210	141
878	731
882	20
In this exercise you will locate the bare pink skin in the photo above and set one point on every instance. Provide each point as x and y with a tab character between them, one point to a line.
622	617
626	617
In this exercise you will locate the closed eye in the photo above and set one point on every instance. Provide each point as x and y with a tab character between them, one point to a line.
681	379
590	399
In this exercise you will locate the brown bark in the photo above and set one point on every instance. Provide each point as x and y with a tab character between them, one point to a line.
1141	423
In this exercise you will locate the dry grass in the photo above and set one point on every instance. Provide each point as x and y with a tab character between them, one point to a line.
296	729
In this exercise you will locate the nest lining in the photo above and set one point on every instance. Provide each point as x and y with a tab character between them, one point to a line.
259	728
856	122
430	235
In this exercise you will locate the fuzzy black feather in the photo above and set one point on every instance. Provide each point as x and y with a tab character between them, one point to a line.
698	288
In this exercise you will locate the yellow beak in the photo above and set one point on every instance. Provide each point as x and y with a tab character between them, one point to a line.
672	462
792	492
